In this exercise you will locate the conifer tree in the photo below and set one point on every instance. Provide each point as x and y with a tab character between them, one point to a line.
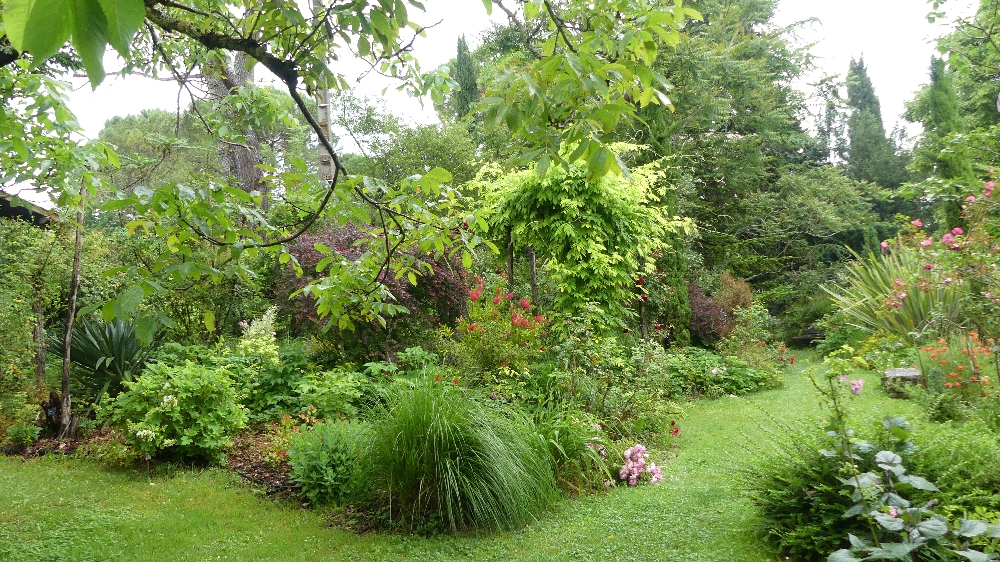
871	155
465	74
937	107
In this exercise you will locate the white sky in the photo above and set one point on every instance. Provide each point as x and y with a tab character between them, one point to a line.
892	35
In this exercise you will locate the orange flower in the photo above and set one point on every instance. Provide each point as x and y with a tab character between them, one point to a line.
965	352
958	384
973	335
947	385
942	362
934	355
941	341
952	375
960	368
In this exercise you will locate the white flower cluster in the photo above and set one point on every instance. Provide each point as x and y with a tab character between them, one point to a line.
170	401
145	435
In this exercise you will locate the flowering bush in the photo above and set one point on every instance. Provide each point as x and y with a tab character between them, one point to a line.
187	411
636	469
258	340
500	332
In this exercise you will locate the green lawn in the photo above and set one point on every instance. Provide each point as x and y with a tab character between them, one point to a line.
71	509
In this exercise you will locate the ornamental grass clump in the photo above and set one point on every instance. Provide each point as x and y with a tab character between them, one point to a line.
437	459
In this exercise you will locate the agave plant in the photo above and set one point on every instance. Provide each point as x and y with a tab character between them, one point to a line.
105	355
893	293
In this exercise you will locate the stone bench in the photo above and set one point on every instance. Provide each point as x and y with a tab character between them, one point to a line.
896	379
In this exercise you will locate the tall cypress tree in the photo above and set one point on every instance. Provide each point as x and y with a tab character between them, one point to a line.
465	75
940	117
871	156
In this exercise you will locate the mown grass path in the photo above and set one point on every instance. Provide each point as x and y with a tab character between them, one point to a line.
67	509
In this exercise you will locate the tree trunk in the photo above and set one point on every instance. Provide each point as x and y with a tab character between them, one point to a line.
534	277
38	308
66	425
643	328
510	260
238	160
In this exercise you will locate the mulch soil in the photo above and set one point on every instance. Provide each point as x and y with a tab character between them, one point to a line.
252	458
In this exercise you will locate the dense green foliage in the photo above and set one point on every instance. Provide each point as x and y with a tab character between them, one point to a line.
326	460
185	411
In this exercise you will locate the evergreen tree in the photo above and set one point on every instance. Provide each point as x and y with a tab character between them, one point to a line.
465	74
871	156
937	107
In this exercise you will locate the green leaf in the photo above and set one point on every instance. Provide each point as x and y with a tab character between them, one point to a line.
842	555
412	277
210	320
323	263
972	528
488	4
598	164
128	302
932	528
145	329
466	260
975	556
90	38
889	522
918	482
40	27
124	18
87	310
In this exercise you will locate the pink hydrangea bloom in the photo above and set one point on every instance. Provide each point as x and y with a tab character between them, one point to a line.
926	243
885	245
957	231
857	385
918	223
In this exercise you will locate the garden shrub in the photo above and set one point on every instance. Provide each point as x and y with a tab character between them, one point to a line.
325	460
274	391
961	458
438	459
23	434
800	499
731	296
330	394
500	331
695	371
578	448
706	318
437	298
185	411
751	338
838	333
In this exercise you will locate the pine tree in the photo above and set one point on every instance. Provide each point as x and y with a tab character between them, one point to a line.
465	74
